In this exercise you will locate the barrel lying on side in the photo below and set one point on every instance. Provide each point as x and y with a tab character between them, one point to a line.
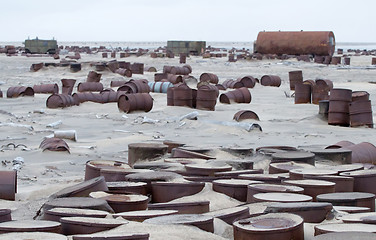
18	91
60	101
270	80
90	87
241	95
46	88
135	102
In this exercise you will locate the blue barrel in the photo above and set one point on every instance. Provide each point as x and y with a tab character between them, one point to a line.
159	87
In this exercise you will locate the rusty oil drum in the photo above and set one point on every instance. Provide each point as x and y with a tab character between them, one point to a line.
90	87
60	101
240	95
248	81
361	114
14	92
295	77
339	103
206	97
46	88
320	90
135	102
270	80
209	77
302	93
182	96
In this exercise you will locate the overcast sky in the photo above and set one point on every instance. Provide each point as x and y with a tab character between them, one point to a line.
162	20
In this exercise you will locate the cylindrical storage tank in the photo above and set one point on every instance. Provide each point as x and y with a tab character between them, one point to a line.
14	92
339	102
159	87
135	102
46	88
272	226
302	93
270	80
361	114
90	87
295	77
209	77
296	43
60	101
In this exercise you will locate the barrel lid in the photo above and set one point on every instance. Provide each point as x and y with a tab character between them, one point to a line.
344	196
32	235
345	236
346	227
228	212
92	221
78	202
344	167
299	206
98	164
314	171
282	197
113	185
293	155
77	212
272	222
80	187
310	183
28	225
352	209
178	204
111	236
179	219
145	213
276	188
235	182
360	173
119	198
238	172
369	217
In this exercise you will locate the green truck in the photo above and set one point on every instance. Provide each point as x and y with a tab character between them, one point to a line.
40	46
187	47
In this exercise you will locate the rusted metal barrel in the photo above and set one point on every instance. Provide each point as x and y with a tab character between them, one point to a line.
75	67
90	87
113	54
231	58
346	61
170	96
241	95
93	77
373	61
206	97
360	96
361	114
177	70
335	60
231	83
104	55
1	94
100	67
272	226
46	88
174	79
248	81
87	97
339	102
14	92
113	65
320	90
137	68
295	77
182	95
159	76
135	102
160	87
183	58
302	93
270	80
209	77
124	72
8	185
68	85
36	66
296	43
135	86
60	101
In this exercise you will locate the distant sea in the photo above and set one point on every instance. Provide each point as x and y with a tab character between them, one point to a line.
224	45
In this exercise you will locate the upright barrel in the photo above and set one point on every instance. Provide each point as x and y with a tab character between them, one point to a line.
339	102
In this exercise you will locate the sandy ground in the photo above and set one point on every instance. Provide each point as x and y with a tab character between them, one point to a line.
104	132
